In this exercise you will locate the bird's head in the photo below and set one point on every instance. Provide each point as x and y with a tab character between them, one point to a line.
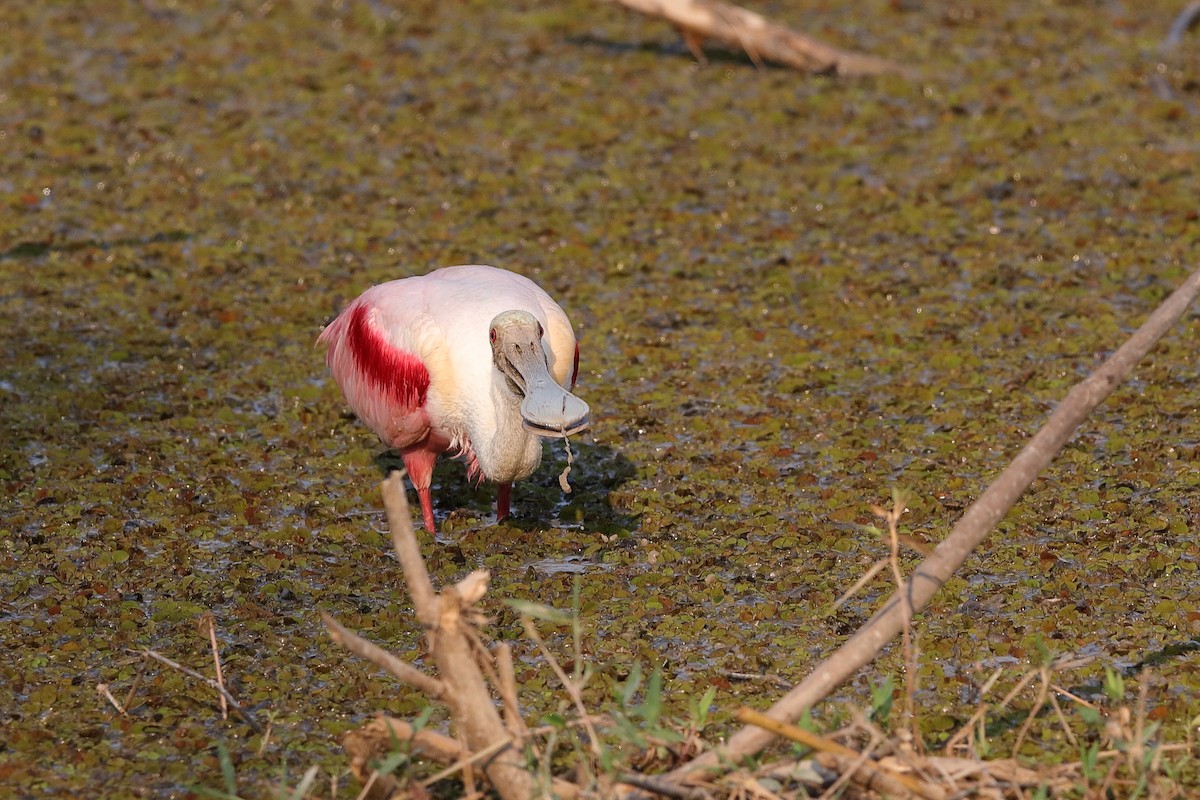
547	409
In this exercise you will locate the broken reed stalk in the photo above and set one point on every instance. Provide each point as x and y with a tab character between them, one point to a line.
892	517
761	39
972	528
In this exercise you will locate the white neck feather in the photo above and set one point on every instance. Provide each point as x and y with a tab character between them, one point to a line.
505	450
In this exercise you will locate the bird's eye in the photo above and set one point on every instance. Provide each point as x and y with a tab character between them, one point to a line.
492	335
539	330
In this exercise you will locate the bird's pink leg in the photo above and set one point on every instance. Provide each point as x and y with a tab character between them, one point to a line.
419	464
503	494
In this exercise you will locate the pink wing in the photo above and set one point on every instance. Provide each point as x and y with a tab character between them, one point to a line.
386	386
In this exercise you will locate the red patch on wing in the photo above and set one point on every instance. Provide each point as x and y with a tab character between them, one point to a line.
574	369
397	372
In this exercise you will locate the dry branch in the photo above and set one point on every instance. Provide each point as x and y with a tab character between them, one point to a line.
380	736
762	39
449	628
450	620
970	531
416	577
870	774
871	777
450	633
507	687
401	670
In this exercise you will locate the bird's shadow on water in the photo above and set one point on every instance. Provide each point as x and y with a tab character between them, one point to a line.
538	501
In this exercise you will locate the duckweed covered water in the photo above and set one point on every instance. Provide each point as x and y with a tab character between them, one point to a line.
793	295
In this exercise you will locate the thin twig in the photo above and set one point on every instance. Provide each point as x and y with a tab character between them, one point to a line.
370	782
990	682
882	563
266	737
468	766
977	717
860	583
102	689
571	686
191	673
1043	691
1062	718
306	782
483	657
137	682
209	622
857	768
1067	693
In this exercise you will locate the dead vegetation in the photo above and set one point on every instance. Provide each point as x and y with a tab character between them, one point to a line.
862	759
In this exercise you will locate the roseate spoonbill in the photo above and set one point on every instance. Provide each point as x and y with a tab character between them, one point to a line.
470	359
